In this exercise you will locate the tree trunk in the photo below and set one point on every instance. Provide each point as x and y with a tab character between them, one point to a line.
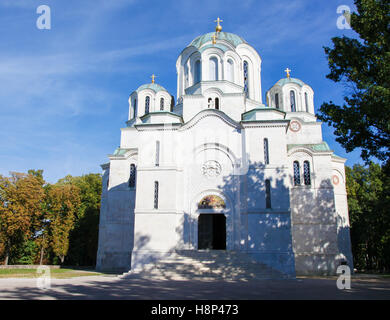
42	252
62	258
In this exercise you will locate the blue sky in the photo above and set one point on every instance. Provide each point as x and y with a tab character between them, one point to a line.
64	91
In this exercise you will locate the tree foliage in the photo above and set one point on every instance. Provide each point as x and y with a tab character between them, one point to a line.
43	223
368	202
363	65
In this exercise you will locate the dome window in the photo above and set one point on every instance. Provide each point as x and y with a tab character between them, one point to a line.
230	70
246	79
213	64
197	72
292	101
306	102
277	100
162	104
147	104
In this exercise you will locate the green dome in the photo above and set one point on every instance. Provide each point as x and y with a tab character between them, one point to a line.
284	81
232	38
153	86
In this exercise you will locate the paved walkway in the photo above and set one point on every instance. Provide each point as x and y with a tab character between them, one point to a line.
104	287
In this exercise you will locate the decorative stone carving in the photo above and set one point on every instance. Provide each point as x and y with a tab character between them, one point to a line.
211	169
295	126
335	180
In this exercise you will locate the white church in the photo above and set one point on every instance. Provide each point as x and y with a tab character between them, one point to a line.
222	170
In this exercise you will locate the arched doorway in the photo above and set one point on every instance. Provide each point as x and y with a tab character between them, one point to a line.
212	226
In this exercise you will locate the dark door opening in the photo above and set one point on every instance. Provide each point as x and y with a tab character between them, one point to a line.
212	231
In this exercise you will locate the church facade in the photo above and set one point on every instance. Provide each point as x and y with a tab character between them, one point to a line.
222	170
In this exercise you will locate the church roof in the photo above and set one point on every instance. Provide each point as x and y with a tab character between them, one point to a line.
284	81
153	86
232	38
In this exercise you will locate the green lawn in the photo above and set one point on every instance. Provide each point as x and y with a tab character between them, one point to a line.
54	273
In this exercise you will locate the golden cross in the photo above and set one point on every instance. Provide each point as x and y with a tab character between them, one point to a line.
288	72
219	27
214	37
153	76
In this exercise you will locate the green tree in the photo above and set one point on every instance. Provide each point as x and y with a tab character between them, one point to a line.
21	198
363	64
84	236
369	218
63	204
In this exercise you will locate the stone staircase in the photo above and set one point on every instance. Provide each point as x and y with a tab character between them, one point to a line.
206	265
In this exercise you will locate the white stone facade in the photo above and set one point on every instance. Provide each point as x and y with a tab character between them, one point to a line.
220	141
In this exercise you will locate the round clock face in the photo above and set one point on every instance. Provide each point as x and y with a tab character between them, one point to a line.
295	126
335	180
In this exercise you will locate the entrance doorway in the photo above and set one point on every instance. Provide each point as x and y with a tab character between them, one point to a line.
212	231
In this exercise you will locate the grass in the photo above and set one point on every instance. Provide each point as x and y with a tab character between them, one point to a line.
54	273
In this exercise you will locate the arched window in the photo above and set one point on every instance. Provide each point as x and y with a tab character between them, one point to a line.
297	174
197	71
267	194
217	103
147	104
172	103
135	108
155	194
186	76
230	70
277	100
161	104
132	176
157	153
266	153
246	79
292	101
306	173
306	102
210	103
213	68
212	202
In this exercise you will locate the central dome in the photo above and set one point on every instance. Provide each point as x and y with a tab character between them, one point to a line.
232	38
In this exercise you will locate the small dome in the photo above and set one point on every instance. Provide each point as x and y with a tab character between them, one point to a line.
284	81
232	38
153	86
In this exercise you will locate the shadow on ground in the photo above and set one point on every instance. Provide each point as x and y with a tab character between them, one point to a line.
146	289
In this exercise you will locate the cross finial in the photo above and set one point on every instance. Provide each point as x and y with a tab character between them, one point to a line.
288	73
214	37
218	28
153	77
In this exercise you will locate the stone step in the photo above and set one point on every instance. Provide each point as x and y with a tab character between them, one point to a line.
207	264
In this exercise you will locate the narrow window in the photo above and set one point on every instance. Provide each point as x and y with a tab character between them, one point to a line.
306	102
147	104
297	174
197	72
157	153
292	101
213	68
266	153
277	100
172	103
135	108
230	70
217	103
267	194
186	76
156	195
246	79
132	176
162	104
306	173
210	103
